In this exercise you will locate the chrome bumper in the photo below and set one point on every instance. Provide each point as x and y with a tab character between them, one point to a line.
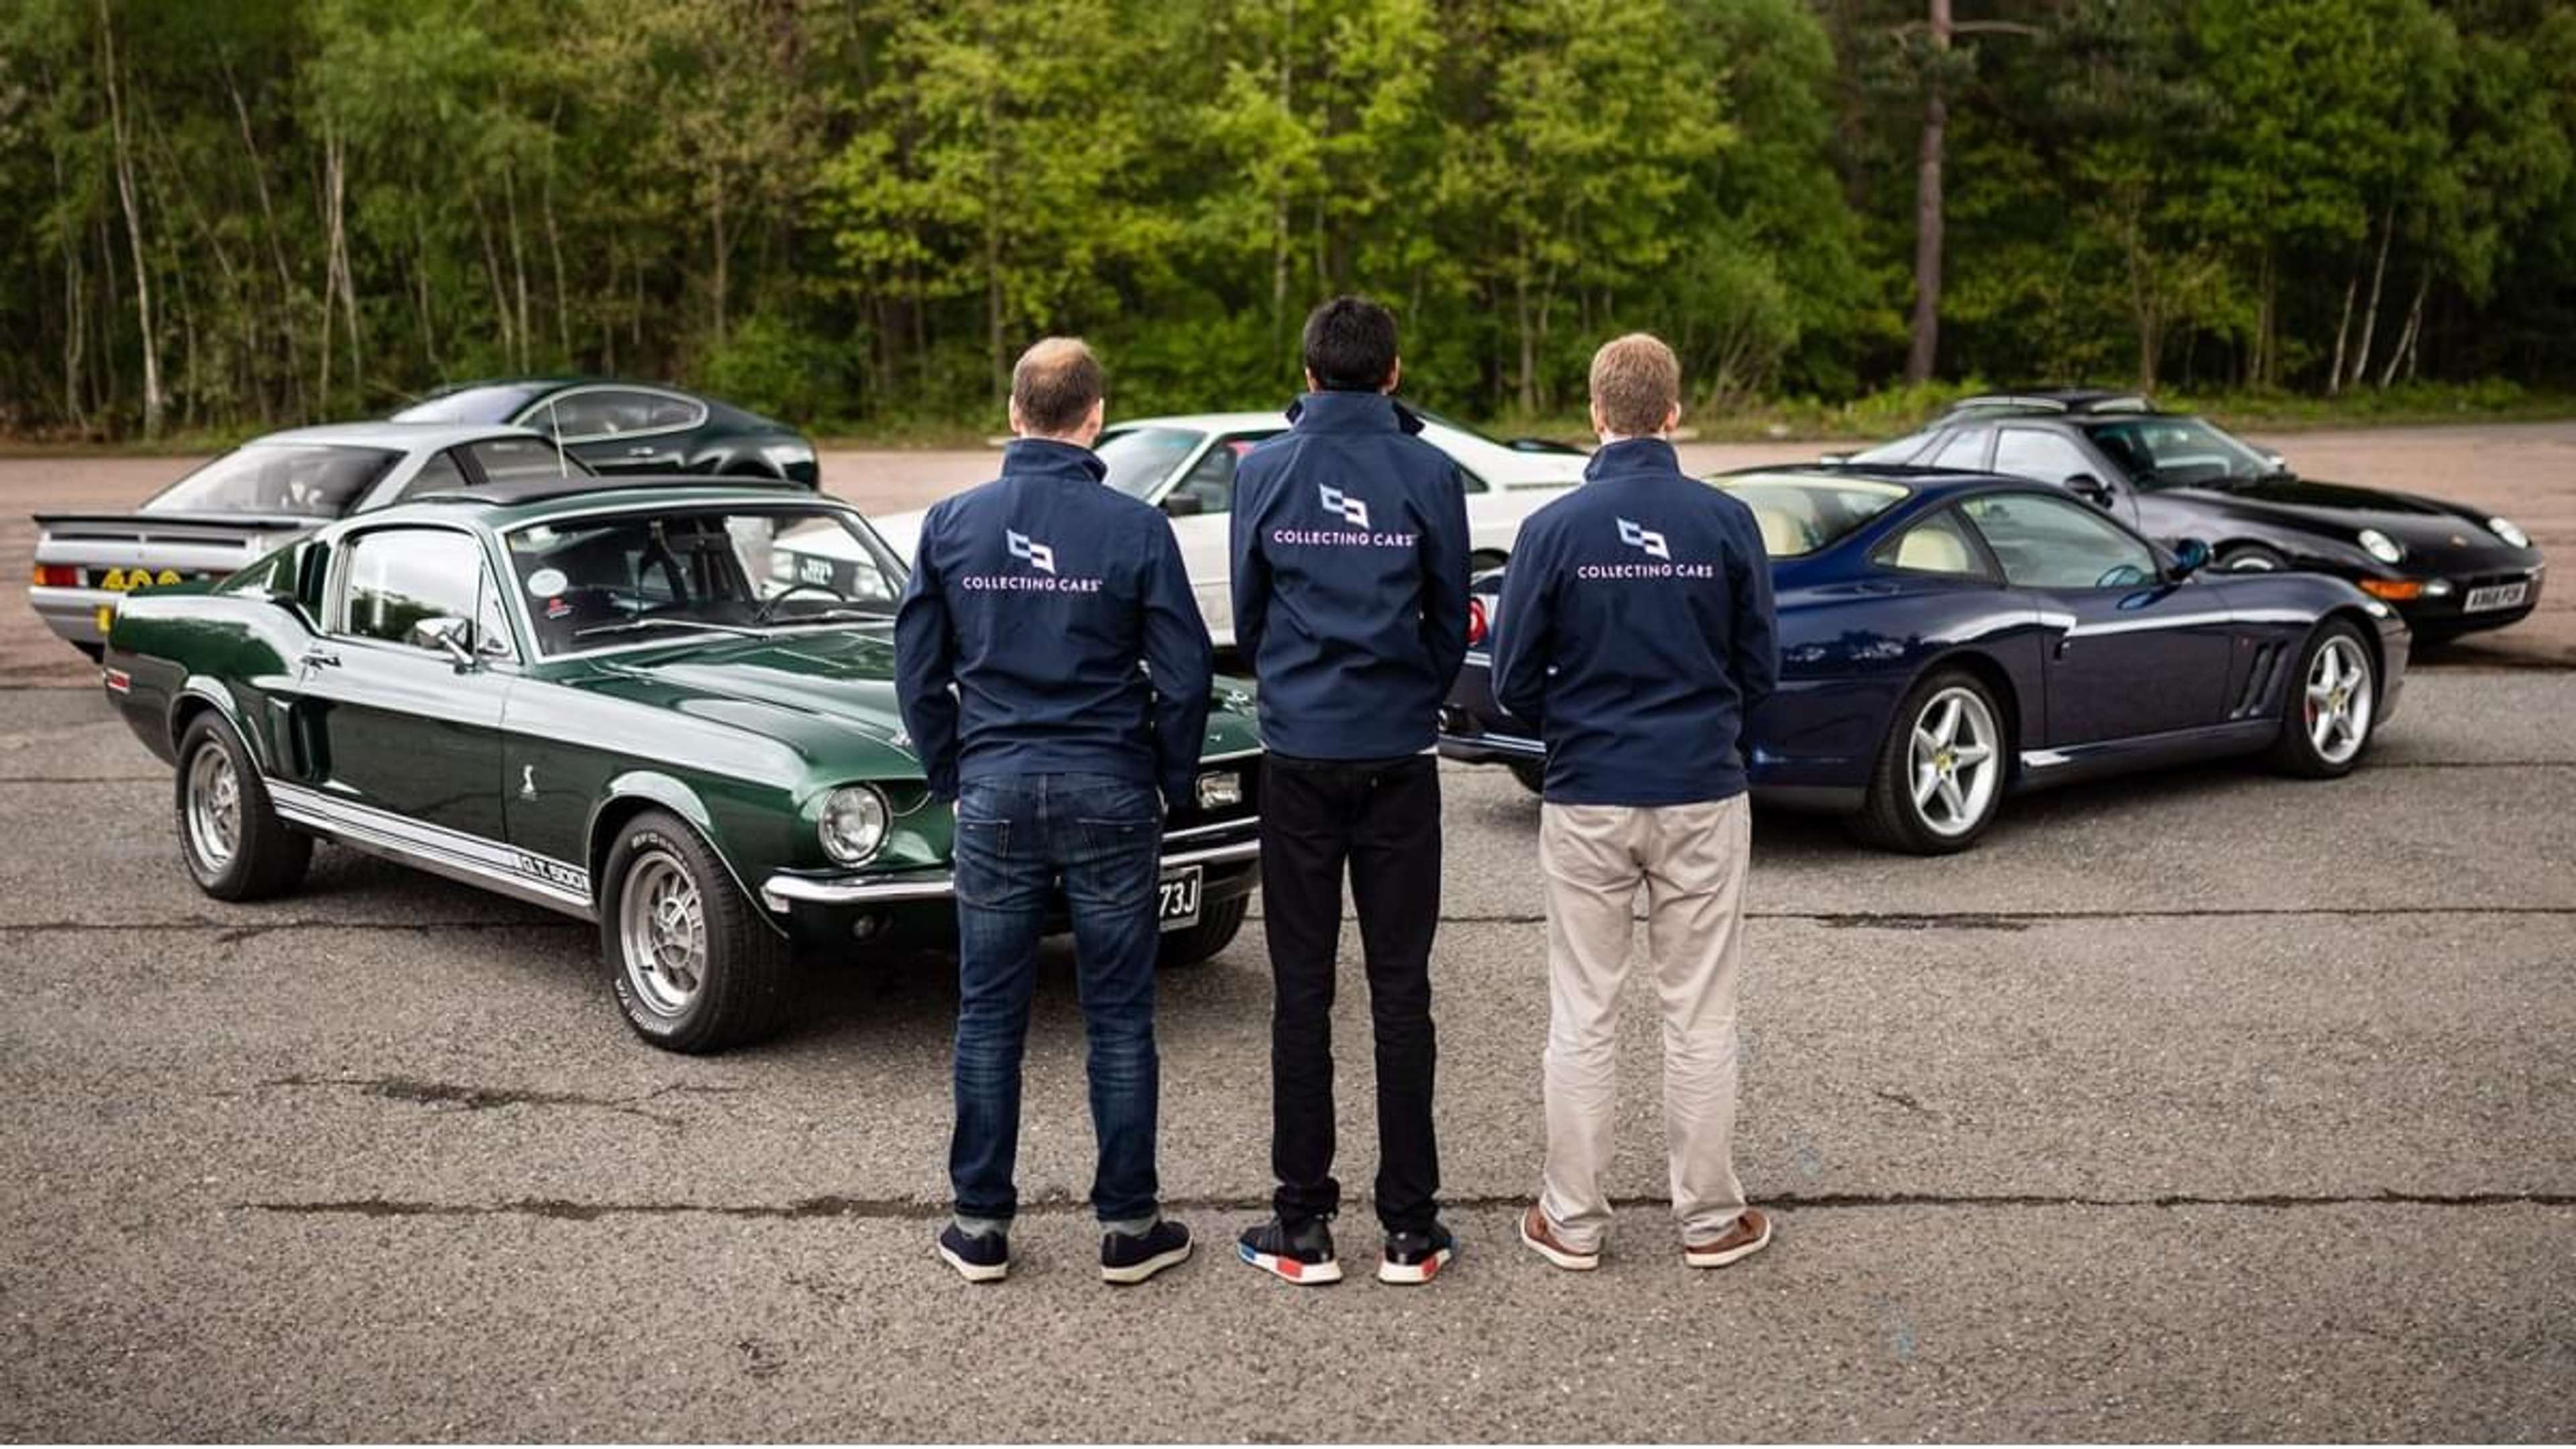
783	891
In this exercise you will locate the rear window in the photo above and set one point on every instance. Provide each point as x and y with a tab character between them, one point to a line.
313	480
494	403
1139	458
1801	514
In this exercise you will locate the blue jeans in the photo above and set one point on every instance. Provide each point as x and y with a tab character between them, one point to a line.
1019	838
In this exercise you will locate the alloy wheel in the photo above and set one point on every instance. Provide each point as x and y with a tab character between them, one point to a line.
662	929
2337	709
214	808
1954	761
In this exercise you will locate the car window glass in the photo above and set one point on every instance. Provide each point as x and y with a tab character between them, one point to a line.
440	474
1211	479
306	479
506	459
2053	543
2178	452
1801	513
610	412
588	578
1902	450
2043	456
1965	448
392	579
1938	545
1140	459
493	403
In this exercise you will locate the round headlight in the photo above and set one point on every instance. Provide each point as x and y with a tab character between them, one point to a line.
2503	528
853	824
2380	546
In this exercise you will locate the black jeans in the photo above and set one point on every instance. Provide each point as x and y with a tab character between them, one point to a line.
1382	819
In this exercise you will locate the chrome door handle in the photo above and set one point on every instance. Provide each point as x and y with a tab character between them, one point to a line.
642	450
321	659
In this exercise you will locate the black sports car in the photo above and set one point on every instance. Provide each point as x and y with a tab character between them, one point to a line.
2447	567
630	427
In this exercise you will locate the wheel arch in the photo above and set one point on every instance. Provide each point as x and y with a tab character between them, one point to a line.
637	791
1990	672
201	694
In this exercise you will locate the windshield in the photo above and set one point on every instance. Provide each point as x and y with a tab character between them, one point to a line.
494	403
2163	452
1801	514
314	480
1141	458
622	578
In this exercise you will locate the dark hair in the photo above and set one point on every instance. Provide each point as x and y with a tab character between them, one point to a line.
1055	385
1350	345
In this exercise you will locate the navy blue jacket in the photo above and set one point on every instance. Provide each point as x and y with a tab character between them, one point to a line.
1037	595
1636	629
1350	579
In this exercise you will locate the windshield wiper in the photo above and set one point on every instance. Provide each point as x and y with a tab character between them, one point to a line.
836	611
629	626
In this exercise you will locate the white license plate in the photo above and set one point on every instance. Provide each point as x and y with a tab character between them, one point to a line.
1177	905
2494	596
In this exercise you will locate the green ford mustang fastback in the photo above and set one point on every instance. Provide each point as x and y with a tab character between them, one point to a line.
669	710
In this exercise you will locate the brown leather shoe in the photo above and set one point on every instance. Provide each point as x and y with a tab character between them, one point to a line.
1541	1236
1750	1234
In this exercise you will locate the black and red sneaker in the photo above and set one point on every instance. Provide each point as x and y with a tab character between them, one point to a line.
1416	1257
1301	1253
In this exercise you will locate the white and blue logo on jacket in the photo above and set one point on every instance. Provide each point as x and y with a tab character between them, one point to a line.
1353	511
1643	538
1021	546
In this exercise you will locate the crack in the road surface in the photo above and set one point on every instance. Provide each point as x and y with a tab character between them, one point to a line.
455	1096
919	1210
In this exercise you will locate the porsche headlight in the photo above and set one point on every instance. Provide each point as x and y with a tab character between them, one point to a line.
853	824
2380	546
2503	528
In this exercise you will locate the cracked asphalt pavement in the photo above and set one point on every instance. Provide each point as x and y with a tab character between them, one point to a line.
2205	1105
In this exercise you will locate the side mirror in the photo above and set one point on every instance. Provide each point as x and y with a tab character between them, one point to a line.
2091	489
2275	461
445	634
2190	556
1183	505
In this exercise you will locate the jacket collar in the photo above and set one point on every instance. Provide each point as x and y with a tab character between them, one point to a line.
1630	456
1047	458
1351	412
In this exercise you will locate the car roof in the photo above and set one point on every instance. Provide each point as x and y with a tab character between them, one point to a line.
1276	421
518	501
1918	481
402	437
2060	401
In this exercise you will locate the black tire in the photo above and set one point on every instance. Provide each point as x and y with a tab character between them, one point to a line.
2297	752
1889	817
740	984
1531	773
2250	558
1216	930
262	857
97	652
1485	560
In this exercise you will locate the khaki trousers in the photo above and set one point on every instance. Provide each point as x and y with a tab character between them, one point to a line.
1691	859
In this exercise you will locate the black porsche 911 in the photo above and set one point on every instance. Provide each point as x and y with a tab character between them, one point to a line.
630	427
2448	568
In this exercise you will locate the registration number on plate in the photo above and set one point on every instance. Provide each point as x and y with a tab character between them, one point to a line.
1177	904
2494	596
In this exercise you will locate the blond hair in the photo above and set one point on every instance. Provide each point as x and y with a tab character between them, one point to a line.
1636	384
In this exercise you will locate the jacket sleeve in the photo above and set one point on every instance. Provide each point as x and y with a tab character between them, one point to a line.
1755	637
1181	659
925	666
1250	583
1444	568
1523	627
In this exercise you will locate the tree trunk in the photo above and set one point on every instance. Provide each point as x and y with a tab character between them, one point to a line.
554	246
2370	318
1529	340
152	402
75	319
1922	355
276	244
1279	215
2343	327
339	277
518	259
2412	335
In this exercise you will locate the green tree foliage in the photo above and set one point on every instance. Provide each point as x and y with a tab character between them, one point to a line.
237	213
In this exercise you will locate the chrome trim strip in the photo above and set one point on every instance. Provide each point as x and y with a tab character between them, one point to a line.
1508	744
2143	626
780	891
1482	659
1219	828
456	854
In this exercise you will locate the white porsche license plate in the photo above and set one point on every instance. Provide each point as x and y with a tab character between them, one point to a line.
1177	905
2494	596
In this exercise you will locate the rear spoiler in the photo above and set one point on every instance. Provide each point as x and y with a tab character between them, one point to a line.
131	524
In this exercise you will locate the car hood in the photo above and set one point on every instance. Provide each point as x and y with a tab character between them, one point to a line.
2426	525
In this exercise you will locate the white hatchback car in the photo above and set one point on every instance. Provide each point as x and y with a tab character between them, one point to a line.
1185	467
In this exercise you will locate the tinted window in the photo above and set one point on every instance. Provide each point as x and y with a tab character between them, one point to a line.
504	459
1800	514
496	403
1211	478
1938	545
1965	448
2051	543
610	412
2044	456
311	479
1902	450
394	578
1140	459
439	475
2169	452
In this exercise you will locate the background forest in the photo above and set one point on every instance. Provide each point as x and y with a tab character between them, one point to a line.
221	214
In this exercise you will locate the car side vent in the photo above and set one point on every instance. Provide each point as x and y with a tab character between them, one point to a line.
2258	681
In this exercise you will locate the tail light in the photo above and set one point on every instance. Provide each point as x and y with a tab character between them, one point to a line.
1475	622
57	576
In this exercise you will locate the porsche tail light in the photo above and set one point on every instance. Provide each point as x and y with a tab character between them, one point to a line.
1475	622
57	576
2393	590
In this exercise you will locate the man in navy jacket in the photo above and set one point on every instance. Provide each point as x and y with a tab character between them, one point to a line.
1636	627
1350	601
1034	600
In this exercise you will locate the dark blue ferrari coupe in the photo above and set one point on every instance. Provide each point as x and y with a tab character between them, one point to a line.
1947	639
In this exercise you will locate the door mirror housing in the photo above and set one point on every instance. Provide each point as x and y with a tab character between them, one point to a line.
446	634
2091	489
2190	556
1183	505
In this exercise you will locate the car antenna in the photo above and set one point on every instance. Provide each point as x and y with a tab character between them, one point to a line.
554	425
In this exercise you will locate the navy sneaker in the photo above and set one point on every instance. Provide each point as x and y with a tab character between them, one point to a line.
1416	1257
1302	1254
980	1258
1135	1257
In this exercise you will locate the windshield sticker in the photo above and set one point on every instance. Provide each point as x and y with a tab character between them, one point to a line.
547	581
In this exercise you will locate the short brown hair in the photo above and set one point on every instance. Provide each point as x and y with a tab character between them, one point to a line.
1636	383
1055	385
